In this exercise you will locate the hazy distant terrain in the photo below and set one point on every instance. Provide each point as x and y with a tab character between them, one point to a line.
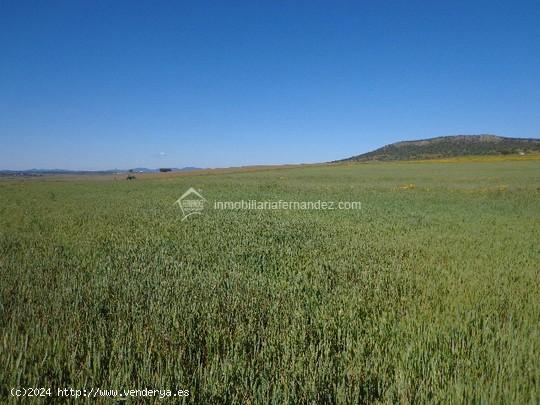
51	172
450	146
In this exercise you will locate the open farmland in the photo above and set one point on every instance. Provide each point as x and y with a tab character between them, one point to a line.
429	293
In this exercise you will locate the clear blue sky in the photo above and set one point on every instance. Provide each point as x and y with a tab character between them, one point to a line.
114	84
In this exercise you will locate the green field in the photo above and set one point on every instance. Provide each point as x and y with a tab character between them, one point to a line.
429	293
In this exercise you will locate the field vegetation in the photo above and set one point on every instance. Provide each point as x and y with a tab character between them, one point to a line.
429	293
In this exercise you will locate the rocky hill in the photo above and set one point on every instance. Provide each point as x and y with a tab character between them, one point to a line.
449	146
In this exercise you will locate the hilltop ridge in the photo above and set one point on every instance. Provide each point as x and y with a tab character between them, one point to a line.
450	146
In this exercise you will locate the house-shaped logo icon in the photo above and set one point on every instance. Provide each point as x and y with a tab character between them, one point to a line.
191	202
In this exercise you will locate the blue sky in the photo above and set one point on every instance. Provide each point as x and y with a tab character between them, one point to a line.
113	84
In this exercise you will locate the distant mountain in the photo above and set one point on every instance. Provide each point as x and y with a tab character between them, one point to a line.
172	169
449	146
142	170
48	172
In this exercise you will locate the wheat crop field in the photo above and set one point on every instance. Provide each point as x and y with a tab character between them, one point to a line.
430	293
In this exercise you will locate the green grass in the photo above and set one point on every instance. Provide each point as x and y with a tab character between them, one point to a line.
430	293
